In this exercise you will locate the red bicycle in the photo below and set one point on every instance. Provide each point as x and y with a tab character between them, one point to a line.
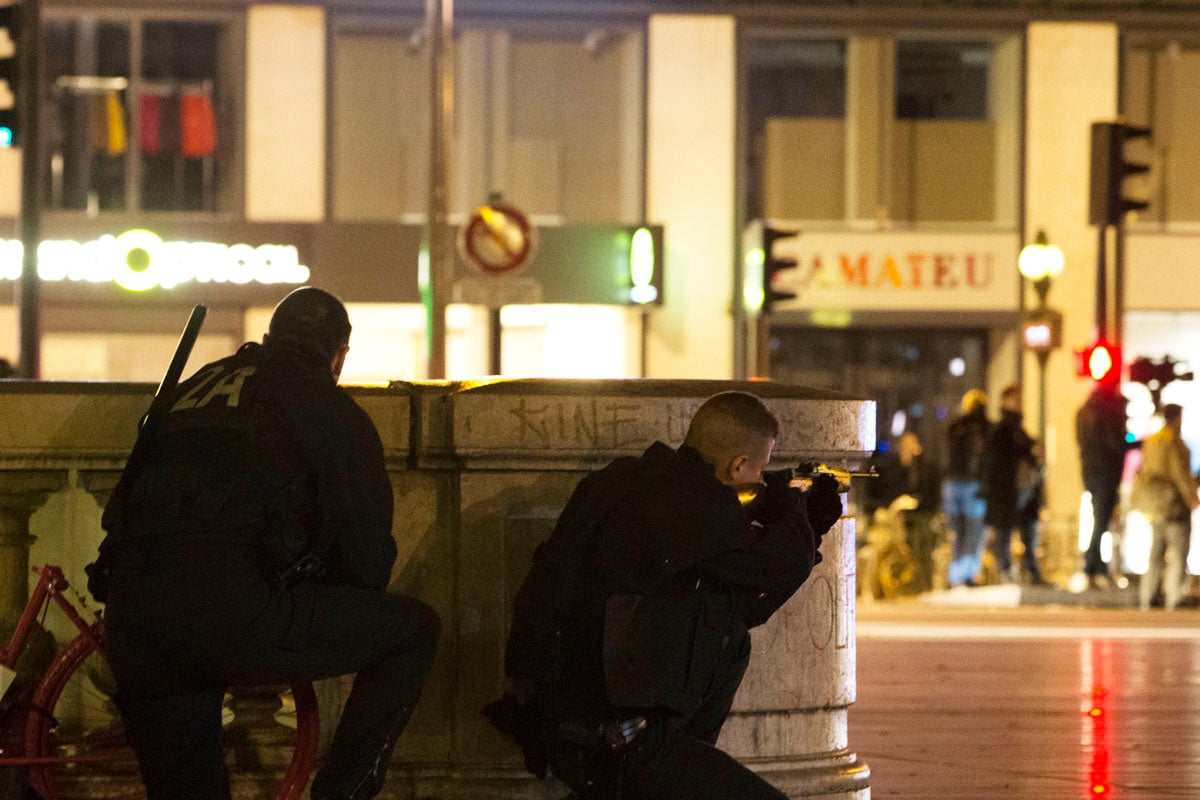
64	730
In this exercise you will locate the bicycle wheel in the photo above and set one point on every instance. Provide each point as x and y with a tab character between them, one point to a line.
74	731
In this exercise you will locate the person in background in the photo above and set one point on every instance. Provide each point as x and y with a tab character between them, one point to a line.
1100	426
1010	487
1165	491
962	499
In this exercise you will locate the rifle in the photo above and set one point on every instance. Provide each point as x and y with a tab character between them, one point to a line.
802	476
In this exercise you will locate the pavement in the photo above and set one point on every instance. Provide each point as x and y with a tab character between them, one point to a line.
1058	701
1013	596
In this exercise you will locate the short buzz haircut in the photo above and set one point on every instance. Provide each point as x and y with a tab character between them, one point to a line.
1012	390
313	318
1172	412
727	423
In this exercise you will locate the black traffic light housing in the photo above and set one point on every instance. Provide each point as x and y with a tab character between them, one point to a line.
773	264
9	46
1108	203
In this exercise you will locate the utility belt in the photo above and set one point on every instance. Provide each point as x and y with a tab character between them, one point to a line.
613	735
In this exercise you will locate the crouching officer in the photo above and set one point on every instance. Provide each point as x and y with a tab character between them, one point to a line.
630	633
252	544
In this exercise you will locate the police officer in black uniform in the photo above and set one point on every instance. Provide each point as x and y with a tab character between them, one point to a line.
253	545
630	633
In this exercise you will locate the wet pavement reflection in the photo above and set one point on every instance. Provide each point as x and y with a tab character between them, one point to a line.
1037	704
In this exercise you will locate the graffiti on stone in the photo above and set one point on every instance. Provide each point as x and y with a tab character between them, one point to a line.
594	423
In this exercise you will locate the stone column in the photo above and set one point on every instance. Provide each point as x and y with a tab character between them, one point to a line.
21	493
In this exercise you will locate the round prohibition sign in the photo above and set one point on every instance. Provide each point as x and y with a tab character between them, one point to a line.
497	239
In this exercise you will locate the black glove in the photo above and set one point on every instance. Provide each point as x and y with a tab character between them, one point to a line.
824	504
779	500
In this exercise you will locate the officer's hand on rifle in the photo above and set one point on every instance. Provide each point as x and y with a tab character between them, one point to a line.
824	503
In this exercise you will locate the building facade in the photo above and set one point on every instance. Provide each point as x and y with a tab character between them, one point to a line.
916	148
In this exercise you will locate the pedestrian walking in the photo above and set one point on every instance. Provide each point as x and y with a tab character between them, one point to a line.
1100	427
962	498
1164	490
1011	487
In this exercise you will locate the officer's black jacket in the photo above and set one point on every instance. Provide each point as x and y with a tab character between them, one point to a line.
264	455
654	567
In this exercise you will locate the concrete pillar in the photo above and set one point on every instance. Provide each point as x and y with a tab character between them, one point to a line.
494	465
21	493
870	123
690	155
1071	81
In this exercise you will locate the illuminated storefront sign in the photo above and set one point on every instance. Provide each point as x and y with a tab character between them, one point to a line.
901	271
139	260
641	267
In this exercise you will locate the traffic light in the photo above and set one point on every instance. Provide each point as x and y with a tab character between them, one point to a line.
1101	362
773	264
8	75
1110	170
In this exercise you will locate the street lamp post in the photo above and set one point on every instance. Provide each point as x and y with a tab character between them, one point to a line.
1040	263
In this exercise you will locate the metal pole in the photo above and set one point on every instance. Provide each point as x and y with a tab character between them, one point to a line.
494	331
762	345
439	17
28	298
1119	286
1042	357
1102	283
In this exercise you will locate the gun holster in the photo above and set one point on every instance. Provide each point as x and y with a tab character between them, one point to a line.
307	567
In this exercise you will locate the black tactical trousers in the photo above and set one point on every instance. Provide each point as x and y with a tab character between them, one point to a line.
673	758
175	645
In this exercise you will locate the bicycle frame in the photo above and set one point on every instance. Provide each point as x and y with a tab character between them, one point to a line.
51	585
24	736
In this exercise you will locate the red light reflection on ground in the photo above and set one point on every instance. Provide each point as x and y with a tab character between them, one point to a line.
1095	660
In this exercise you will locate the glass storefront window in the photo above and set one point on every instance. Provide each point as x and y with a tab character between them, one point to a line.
894	131
548	116
1160	87
87	69
122	138
944	143
796	108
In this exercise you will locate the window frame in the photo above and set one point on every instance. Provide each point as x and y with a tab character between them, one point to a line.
232	60
1002	221
1157	41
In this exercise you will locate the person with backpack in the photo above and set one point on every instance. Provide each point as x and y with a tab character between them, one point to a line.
962	496
630	634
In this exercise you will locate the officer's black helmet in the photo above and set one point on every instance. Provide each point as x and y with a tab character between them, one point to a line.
312	318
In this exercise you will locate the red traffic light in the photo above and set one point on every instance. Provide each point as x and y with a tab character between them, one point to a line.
1101	362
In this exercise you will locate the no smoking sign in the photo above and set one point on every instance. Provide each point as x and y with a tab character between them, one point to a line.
496	239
